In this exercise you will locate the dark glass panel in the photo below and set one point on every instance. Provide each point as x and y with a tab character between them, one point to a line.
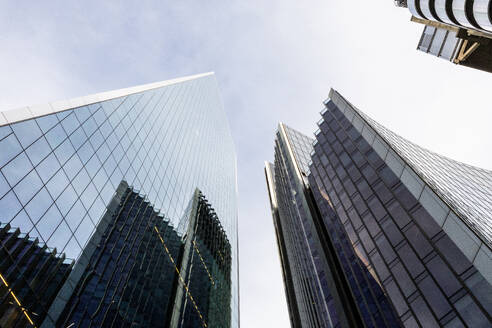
423	313
443	275
471	313
405	197
396	297
453	255
410	260
392	231
401	276
434	297
418	241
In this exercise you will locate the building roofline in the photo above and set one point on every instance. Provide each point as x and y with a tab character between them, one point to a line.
30	112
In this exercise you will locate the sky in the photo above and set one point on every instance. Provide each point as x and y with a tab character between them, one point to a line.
274	61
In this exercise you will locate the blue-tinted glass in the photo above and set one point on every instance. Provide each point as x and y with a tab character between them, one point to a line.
85	152
49	222
72	250
97	210
61	235
47	168
78	138
47	122
26	132
81	181
63	114
82	113
77	212
100	179
66	199
96	139
17	169
5	131
64	151
22	222
56	136
38	150
4	186
84	230
10	148
99	116
57	184
89	126
156	136
70	123
72	167
28	186
10	206
103	153
88	196
38	205
93	166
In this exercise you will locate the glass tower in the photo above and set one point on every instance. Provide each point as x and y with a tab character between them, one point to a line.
409	230
62	165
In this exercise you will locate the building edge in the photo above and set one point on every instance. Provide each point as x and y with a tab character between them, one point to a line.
30	112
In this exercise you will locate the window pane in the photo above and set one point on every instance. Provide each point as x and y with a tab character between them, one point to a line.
38	205
17	169
47	122
10	206
56	136
48	167
27	132
10	148
28	187
38	150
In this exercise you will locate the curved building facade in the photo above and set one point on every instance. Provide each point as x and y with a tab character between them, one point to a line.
406	233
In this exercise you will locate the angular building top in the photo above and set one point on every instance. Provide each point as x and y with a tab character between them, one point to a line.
458	196
62	162
465	188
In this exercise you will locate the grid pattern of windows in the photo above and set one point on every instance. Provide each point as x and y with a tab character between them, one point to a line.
465	188
30	277
427	278
58	171
315	303
303	240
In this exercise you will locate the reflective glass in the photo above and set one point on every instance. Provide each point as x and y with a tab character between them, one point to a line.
38	151
17	169
10	148
28	186
27	132
47	122
165	142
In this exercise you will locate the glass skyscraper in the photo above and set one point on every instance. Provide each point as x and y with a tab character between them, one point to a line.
81	177
406	233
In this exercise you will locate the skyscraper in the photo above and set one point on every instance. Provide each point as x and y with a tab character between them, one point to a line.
137	188
405	232
458	31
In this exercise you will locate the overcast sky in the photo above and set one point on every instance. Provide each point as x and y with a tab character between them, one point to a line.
275	61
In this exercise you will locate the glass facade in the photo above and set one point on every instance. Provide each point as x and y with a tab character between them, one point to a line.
31	275
410	229
352	295
61	164
313	300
